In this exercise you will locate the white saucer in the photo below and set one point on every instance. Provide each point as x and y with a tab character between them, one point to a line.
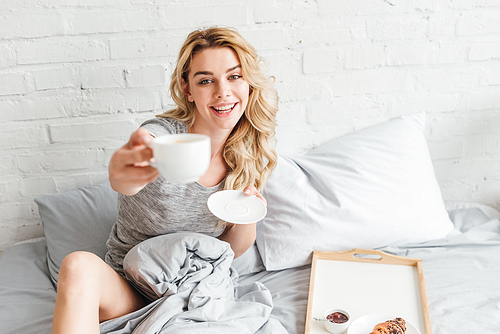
233	206
365	324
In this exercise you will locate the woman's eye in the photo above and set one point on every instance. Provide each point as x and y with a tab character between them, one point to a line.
205	82
234	77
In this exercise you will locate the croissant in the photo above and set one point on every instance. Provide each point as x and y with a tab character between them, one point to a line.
396	326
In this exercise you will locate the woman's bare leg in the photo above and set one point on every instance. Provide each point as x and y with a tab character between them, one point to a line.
88	292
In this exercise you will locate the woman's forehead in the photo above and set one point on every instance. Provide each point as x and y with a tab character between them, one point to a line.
214	60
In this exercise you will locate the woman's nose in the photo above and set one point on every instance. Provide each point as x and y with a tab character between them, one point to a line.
223	90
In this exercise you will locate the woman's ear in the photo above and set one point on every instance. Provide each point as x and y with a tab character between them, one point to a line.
187	93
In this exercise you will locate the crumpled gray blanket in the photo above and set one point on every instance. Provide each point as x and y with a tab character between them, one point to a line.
188	277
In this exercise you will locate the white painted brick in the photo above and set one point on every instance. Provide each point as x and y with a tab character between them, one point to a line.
3	192
22	137
446	149
485	50
57	161
492	76
474	23
444	126
323	61
9	236
50	106
73	181
473	4
222	15
360	57
343	8
55	105
102	22
481	100
310	36
145	76
370	82
272	14
430	102
102	77
426	52
447	79
14	211
54	78
90	131
44	51
6	56
265	39
31	24
126	48
422	5
404	54
38	186
473	146
123	100
453	169
492	144
108	153
489	189
7	165
13	84
441	26
142	20
397	28
308	89
92	3
494	123
449	52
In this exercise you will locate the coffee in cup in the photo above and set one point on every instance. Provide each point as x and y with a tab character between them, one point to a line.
181	158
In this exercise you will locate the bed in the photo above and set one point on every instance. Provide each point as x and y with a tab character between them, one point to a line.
372	189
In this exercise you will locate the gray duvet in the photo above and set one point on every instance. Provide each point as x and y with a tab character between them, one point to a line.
193	289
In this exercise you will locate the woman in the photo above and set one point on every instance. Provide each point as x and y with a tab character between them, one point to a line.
221	92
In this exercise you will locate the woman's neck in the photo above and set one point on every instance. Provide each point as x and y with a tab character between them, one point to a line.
217	139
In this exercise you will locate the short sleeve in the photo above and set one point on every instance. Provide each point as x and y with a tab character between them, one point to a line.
164	126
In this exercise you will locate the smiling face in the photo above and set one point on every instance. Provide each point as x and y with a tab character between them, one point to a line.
217	88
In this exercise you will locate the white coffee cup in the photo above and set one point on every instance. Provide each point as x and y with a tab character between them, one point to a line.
181	158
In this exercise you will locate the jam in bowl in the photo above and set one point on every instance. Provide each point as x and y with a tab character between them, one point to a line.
337	320
337	317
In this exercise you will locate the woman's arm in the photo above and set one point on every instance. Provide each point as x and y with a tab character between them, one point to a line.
242	236
239	236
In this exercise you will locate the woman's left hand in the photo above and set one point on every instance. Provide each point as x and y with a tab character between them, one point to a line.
251	190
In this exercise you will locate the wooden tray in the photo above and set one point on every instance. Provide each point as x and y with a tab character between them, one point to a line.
362	282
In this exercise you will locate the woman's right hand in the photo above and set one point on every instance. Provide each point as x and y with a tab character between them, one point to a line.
129	170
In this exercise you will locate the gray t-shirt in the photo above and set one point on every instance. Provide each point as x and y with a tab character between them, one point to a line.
160	207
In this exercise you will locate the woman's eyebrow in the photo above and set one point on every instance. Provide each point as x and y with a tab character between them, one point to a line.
233	68
210	73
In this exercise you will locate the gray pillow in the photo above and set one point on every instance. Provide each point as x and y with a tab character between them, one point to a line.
79	219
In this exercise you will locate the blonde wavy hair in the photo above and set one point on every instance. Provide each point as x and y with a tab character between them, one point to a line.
249	150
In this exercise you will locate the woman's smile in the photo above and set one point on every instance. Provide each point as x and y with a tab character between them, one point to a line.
224	109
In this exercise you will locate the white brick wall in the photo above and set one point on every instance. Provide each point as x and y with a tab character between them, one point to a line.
77	77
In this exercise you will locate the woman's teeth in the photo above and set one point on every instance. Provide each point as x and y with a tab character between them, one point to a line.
224	109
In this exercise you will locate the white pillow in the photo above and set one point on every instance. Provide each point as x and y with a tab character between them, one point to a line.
369	189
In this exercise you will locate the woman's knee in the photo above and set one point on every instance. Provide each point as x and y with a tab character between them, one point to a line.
79	266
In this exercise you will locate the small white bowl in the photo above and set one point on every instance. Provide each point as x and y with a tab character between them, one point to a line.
334	327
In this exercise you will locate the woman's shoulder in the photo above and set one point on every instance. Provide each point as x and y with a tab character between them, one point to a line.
160	126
